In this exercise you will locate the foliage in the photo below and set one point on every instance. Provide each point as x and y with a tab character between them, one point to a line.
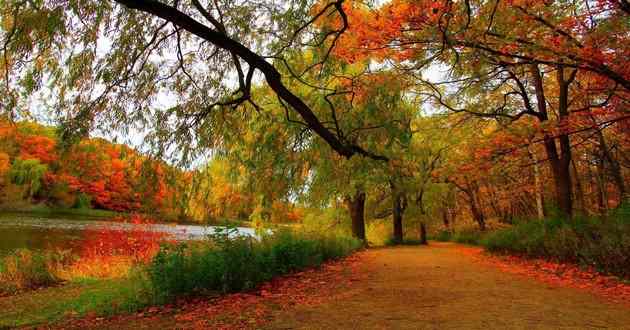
26	269
602	243
28	172
443	236
79	298
83	201
235	263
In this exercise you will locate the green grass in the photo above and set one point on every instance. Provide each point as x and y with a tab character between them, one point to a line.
65	213
603	243
101	297
236	264
223	264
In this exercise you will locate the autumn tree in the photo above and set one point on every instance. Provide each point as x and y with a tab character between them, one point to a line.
111	62
503	70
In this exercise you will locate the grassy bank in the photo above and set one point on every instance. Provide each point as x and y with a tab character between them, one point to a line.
44	211
224	263
599	242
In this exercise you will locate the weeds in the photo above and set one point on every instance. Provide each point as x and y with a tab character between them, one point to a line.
229	264
603	243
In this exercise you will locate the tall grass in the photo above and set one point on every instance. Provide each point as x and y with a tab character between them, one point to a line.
25	269
227	264
603	243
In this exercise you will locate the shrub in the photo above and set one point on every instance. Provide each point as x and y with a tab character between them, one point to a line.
603	243
467	236
443	236
378	232
83	201
26	269
228	263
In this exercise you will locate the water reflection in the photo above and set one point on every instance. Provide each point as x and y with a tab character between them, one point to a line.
22	231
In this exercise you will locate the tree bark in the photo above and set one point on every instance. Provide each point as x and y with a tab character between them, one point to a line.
615	168
445	218
398	208
423	233
540	211
602	198
579	190
566	204
559	163
356	208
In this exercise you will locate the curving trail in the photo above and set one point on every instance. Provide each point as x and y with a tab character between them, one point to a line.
439	287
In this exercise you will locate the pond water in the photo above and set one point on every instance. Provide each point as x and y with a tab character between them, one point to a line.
33	232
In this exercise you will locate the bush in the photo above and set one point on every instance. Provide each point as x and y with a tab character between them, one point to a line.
603	243
83	202
379	232
467	236
443	236
226	263
26	269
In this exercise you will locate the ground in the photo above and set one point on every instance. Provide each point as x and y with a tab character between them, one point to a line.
442	286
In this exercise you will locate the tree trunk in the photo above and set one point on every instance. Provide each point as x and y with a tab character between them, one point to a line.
398	207
615	168
559	164
540	211
602	198
397	215
478	215
579	191
356	208
445	218
423	233
566	204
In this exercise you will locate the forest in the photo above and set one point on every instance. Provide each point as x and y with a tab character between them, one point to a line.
314	142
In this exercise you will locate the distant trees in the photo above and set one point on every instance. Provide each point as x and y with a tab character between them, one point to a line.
93	172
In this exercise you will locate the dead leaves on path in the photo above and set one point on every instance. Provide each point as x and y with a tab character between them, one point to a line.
556	274
242	310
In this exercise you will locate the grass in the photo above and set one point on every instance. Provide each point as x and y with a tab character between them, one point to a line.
78	298
603	243
599	242
224	263
236	264
25	269
65	213
468	236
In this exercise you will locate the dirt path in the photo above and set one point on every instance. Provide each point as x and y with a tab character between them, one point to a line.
438	287
411	287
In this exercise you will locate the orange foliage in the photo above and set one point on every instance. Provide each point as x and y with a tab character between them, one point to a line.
114	176
111	252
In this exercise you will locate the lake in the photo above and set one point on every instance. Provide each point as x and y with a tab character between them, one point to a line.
35	232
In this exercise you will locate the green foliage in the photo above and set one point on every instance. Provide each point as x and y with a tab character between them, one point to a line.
468	236
109	297
443	236
603	243
83	202
77	298
228	263
328	220
28	172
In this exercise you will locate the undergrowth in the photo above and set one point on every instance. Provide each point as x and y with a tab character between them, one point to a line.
599	242
226	263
